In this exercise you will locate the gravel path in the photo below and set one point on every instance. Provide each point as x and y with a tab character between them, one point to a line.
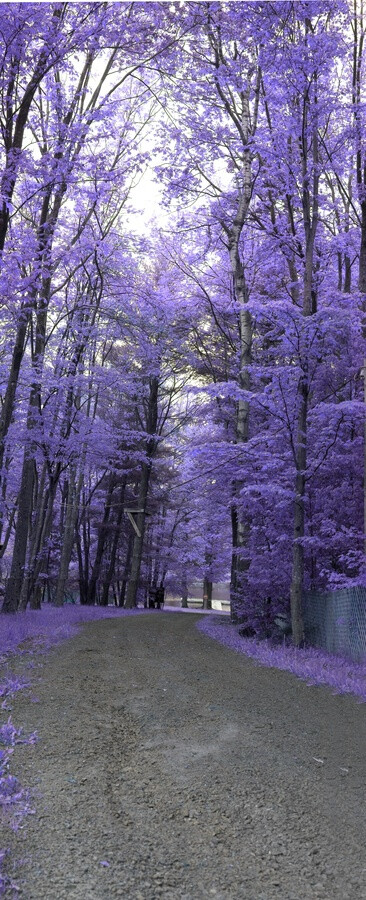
171	767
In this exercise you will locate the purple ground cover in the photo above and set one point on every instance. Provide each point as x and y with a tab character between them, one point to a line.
45	628
313	666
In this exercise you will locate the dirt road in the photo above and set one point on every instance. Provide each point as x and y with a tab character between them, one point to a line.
171	767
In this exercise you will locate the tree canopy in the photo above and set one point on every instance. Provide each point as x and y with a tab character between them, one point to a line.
203	372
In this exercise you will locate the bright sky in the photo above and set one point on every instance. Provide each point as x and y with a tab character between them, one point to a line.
146	200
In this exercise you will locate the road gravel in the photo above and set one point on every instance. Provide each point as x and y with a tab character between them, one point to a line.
169	766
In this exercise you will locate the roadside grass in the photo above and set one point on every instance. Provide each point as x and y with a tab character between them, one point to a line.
315	667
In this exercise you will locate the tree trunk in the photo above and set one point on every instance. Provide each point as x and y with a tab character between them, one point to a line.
114	548
83	576
14	587
122	593
207	593
138	541
310	206
245	120
234	611
15	581
362	288
347	287
39	529
151	425
12	595
71	514
239	564
36	588
9	398
41	287
102	537
362	262
185	594
299	522
357	103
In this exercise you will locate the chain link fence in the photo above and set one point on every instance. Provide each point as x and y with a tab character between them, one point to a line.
336	621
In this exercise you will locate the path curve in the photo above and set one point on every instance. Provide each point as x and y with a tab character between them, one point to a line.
170	767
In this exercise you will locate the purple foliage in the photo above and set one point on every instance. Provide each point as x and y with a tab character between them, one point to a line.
14	799
230	346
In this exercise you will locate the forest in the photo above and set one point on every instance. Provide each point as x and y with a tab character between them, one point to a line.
182	383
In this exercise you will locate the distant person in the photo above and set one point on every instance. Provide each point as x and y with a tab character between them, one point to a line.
159	596
152	597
